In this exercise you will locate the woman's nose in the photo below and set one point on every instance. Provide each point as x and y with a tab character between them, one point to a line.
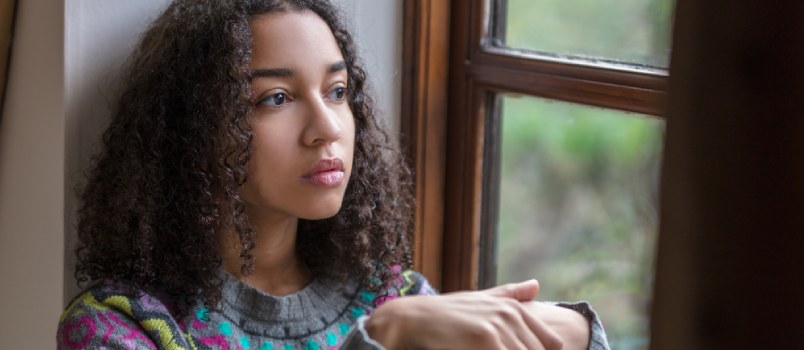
323	125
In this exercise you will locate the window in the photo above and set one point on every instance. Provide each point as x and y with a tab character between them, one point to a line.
578	207
537	123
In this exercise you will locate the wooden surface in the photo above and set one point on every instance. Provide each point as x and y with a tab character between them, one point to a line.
424	109
730	267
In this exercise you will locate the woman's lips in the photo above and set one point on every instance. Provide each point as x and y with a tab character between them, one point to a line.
325	172
327	178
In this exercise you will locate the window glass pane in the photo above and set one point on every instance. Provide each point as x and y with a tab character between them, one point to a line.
578	208
633	31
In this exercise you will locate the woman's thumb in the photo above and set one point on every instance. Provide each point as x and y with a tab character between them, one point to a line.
522	291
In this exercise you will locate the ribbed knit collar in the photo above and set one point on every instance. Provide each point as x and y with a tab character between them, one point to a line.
308	311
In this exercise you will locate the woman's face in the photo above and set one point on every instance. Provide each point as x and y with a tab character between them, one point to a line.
304	130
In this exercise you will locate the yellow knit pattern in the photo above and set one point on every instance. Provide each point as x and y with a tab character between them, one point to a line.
165	335
120	302
85	299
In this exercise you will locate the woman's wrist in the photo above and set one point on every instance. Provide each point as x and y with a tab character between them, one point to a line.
571	326
386	324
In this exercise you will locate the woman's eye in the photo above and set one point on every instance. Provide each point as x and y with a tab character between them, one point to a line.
338	93
274	100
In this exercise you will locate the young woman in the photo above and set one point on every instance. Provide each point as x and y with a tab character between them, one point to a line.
246	198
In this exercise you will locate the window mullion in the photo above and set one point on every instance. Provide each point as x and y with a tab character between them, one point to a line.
629	91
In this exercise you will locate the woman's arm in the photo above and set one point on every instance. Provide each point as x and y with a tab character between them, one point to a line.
501	317
497	318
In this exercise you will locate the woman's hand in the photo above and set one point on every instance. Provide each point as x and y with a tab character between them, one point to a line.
571	326
497	318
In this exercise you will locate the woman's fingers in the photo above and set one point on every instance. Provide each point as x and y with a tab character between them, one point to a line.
571	326
535	333
514	338
503	327
522	291
524	330
548	338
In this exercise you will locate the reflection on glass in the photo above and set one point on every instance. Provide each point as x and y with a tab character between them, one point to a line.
632	31
578	208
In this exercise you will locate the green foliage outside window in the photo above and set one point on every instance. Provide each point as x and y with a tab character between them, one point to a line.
578	209
578	192
635	31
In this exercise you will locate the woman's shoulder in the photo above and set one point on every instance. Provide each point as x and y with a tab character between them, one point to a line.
410	282
111	313
121	297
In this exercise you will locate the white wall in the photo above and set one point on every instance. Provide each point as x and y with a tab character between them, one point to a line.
32	180
66	56
377	28
98	37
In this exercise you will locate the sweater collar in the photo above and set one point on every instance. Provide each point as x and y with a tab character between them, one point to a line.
317	306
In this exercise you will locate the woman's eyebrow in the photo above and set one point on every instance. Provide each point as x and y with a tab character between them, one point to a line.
272	73
337	66
287	72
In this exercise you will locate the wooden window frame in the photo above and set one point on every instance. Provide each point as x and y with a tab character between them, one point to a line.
423	124
731	165
447	125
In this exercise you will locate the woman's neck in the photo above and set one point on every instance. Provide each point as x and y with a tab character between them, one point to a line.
277	269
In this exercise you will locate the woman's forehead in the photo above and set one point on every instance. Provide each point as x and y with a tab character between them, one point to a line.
292	39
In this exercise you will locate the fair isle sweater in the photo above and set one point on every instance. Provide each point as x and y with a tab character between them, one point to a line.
322	316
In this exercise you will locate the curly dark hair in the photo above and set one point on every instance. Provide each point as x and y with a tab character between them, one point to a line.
174	160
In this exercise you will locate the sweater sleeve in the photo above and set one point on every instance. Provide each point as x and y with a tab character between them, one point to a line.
597	335
358	338
107	319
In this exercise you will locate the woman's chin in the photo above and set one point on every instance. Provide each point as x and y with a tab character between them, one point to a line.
321	212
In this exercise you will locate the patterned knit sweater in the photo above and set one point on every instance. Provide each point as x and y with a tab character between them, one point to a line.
114	315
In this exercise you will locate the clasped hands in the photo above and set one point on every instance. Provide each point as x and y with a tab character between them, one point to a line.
504	317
